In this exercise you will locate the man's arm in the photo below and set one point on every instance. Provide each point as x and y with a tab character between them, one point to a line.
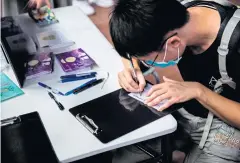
222	107
178	92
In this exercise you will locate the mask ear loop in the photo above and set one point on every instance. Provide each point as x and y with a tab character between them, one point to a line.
165	54
178	55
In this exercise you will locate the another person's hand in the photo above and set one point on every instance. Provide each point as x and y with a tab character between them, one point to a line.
173	91
126	81
38	3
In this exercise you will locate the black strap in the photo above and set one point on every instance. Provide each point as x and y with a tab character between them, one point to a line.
227	17
235	37
235	40
226	12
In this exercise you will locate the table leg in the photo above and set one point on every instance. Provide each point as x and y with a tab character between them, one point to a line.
167	148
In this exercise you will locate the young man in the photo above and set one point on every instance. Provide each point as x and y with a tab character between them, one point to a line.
160	33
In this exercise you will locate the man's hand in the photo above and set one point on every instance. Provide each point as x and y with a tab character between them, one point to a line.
39	3
174	91
126	81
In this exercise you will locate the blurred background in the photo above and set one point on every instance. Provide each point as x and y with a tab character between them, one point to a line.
98	11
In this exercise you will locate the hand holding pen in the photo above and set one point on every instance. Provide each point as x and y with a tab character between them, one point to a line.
131	79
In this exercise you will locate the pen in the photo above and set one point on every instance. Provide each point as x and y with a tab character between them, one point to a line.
49	88
70	92
133	70
89	85
60	106
86	75
64	80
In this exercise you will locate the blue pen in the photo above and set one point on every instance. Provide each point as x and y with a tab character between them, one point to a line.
53	90
79	75
81	86
64	80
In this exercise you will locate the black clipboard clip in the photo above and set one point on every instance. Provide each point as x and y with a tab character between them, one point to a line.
10	121
88	123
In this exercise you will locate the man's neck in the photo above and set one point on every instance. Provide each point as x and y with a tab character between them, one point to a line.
202	29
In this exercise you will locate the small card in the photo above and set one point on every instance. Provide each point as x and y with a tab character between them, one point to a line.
38	65
8	88
75	60
142	96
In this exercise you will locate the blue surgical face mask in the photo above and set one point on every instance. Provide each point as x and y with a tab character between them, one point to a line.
164	64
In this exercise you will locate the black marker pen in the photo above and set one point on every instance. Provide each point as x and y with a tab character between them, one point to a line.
76	91
58	103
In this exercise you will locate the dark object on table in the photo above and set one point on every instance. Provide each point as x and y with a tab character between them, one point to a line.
16	58
60	106
24	140
115	114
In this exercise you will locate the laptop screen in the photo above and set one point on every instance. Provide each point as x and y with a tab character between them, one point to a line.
13	44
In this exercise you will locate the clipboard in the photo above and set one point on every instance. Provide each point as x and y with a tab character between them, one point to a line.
24	140
115	114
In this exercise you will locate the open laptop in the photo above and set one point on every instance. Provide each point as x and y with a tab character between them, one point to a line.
13	44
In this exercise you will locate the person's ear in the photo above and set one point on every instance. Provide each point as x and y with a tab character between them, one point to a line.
174	41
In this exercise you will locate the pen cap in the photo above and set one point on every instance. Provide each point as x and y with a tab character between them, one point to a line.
50	94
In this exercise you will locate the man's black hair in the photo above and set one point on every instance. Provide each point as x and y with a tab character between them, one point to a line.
138	27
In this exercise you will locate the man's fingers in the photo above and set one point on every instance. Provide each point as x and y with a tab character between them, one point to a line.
123	82
121	79
155	88
123	86
48	3
128	76
141	80
155	95
39	3
31	3
159	99
168	103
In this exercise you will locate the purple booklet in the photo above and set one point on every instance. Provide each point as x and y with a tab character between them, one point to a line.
38	65
75	60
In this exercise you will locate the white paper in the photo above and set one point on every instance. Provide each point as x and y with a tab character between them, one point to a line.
53	39
142	96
